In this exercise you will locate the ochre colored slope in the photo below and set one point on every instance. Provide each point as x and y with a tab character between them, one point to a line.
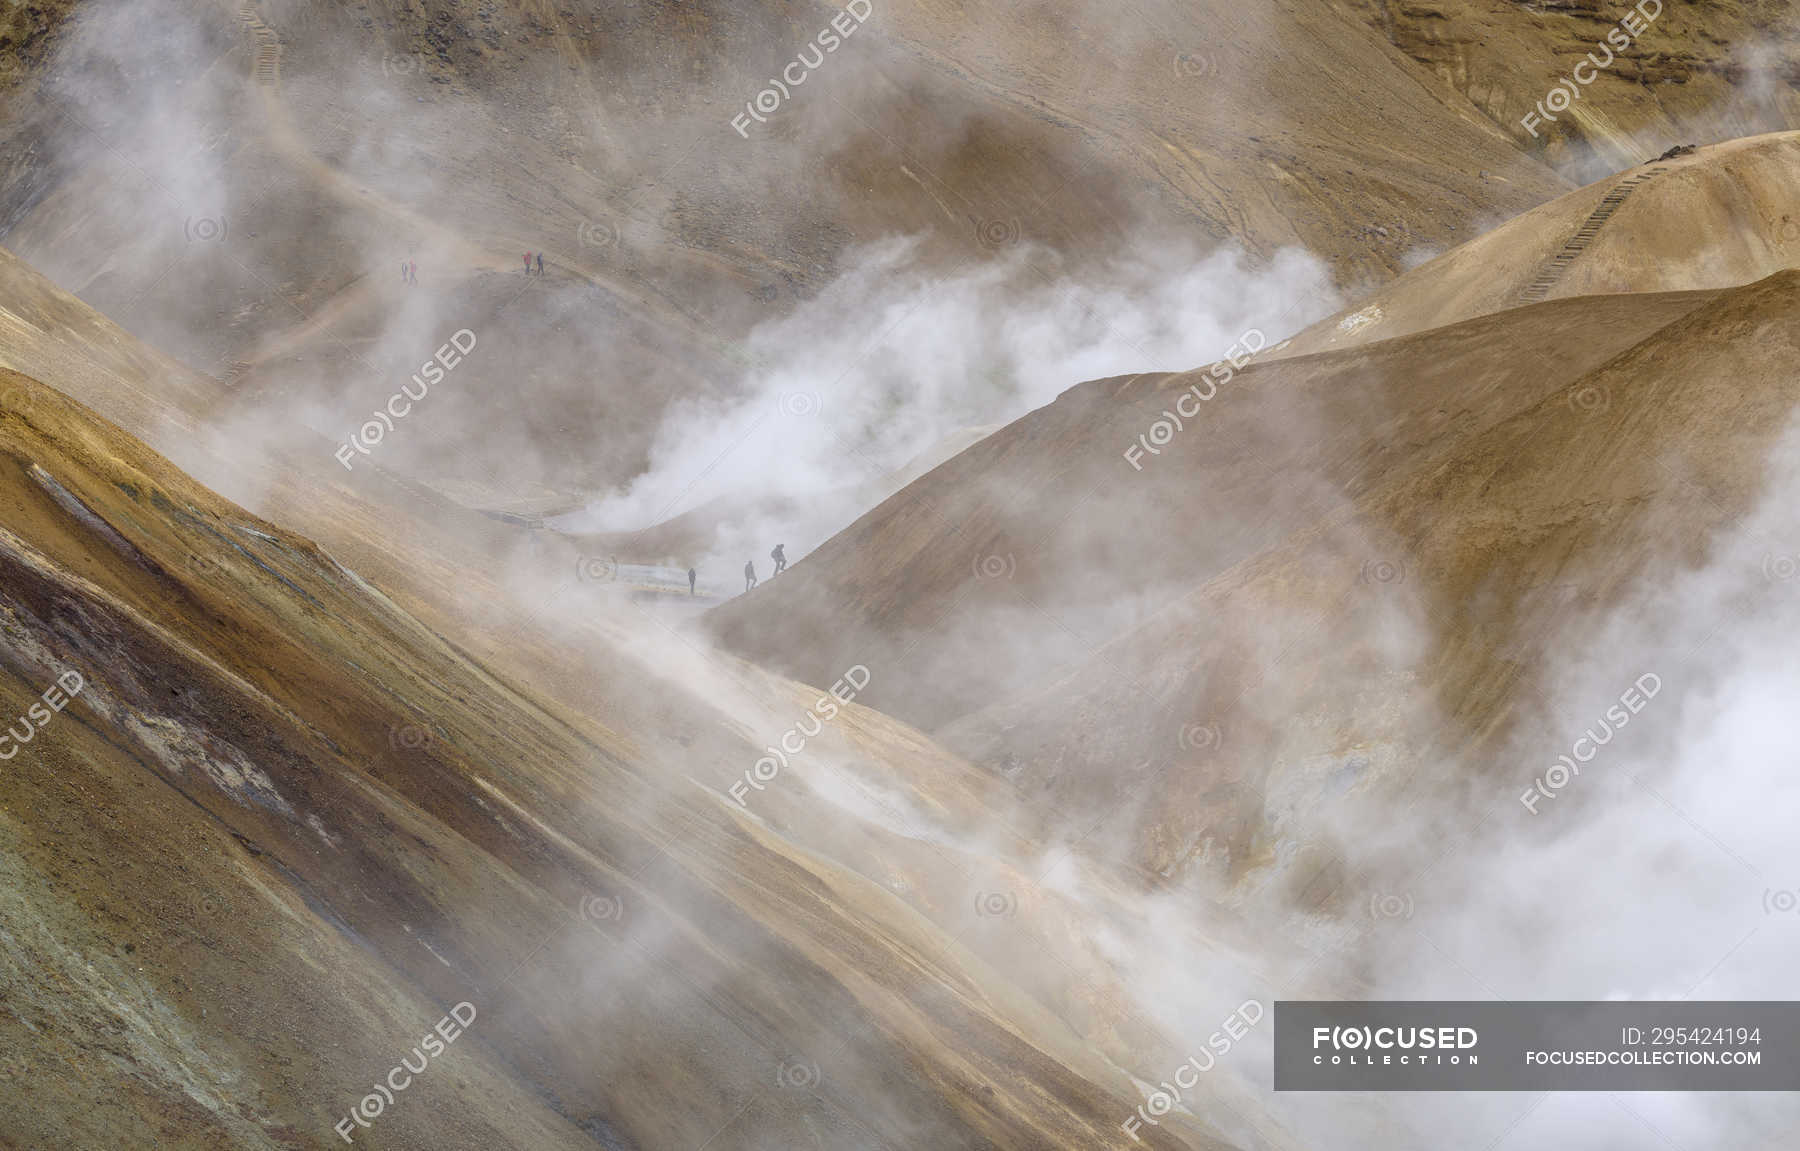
1028	552
601	137
1393	642
1695	73
300	825
1717	217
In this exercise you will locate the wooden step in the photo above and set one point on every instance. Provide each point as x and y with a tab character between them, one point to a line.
267	68
1552	272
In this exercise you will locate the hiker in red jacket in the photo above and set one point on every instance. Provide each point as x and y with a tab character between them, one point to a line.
528	263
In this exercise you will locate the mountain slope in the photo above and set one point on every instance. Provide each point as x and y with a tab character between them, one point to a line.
1716	217
1032	550
1393	645
310	777
1695	72
282	200
1410	518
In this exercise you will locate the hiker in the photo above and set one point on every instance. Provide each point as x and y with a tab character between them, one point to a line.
528	263
749	575
403	271
691	578
780	558
540	263
412	269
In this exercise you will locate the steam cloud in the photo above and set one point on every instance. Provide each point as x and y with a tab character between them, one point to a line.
887	362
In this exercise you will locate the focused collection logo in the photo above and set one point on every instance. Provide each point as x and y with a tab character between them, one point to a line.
1395	1046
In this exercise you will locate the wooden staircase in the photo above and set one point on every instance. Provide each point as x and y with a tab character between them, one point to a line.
1547	279
268	45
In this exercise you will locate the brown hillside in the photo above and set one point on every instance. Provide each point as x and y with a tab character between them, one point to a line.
1717	217
1491	552
349	826
1699	72
1031	551
255	231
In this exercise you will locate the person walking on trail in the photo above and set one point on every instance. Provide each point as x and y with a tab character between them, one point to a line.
780	558
528	263
749	575
540	263
691	578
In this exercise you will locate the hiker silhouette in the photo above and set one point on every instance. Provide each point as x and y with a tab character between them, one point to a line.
780	558
691	578
749	575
